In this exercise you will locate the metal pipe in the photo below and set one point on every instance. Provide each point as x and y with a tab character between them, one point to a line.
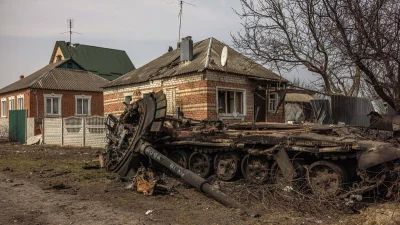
195	180
208	54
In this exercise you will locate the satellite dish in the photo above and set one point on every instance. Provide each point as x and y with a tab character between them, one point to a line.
224	56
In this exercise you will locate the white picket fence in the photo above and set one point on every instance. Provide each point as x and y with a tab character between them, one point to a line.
75	131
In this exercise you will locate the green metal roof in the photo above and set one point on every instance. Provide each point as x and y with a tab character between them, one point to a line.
105	62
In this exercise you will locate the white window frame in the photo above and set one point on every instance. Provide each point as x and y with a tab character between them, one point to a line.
52	95
11	106
89	98
4	109
244	91
21	96
276	101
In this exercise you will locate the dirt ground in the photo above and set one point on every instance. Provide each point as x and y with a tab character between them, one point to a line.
27	196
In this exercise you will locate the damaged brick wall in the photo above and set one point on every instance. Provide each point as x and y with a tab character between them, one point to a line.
195	94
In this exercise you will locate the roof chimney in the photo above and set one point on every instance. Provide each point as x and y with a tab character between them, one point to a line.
187	49
21	77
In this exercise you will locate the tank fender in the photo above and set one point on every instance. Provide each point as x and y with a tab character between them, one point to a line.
375	153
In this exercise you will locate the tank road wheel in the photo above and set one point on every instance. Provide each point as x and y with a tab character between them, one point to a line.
325	178
255	169
200	164
180	157
226	165
297	182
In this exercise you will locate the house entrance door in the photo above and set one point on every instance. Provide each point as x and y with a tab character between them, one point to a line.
260	105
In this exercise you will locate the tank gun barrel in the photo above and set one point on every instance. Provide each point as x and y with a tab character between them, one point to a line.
195	180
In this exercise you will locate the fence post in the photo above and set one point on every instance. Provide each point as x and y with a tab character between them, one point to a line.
84	131
62	131
43	130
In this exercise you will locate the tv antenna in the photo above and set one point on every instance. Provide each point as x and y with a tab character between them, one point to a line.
70	25
180	16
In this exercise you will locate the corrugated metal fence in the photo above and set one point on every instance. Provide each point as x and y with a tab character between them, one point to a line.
351	110
338	108
75	131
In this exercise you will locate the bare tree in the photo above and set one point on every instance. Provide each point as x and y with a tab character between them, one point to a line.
368	32
339	40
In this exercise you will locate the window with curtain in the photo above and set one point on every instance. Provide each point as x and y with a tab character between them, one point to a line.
3	108
53	106
20	103
82	106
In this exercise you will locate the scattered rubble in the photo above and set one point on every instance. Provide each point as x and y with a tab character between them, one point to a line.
34	140
58	186
93	164
17	184
8	169
41	171
60	173
91	167
146	182
327	157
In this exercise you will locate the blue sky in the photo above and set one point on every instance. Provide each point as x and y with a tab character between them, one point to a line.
143	28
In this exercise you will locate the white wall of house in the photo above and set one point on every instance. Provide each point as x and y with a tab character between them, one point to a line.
4	127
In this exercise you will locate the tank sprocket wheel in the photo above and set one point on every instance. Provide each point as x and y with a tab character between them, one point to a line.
255	168
297	182
201	164
180	157
226	165
326	178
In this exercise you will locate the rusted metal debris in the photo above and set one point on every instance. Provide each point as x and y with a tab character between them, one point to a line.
328	157
59	173
144	181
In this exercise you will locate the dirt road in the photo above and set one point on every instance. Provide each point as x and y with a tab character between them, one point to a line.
26	203
28	173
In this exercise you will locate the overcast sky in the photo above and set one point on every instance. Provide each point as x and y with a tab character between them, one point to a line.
143	28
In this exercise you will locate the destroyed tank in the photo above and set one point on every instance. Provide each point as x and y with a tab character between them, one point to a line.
331	159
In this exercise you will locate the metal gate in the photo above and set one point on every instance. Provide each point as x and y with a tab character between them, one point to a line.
17	125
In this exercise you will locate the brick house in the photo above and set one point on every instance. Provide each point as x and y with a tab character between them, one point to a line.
60	89
106	62
195	81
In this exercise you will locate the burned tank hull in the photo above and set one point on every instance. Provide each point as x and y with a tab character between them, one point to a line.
330	159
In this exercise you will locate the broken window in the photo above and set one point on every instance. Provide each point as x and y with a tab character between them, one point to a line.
230	101
128	99
273	101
